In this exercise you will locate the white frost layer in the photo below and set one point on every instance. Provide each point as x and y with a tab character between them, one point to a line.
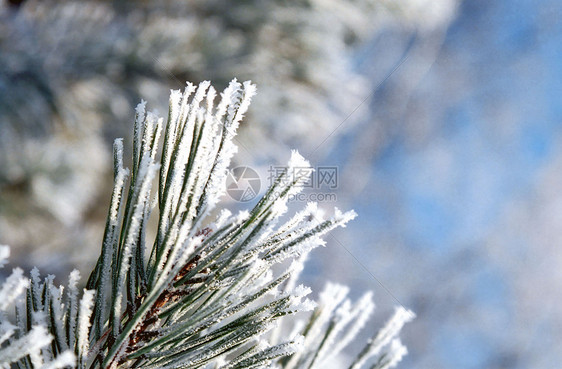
12	289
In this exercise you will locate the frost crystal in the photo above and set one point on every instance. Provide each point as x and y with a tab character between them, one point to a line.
12	289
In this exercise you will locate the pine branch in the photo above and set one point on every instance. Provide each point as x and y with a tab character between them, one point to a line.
206	296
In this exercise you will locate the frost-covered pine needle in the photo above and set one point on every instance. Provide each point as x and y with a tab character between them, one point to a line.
385	336
82	340
14	286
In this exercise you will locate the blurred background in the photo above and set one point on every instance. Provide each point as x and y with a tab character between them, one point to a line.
443	119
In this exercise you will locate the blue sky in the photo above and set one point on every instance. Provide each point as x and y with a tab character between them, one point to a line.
494	96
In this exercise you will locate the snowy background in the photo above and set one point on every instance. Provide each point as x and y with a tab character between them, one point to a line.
443	119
